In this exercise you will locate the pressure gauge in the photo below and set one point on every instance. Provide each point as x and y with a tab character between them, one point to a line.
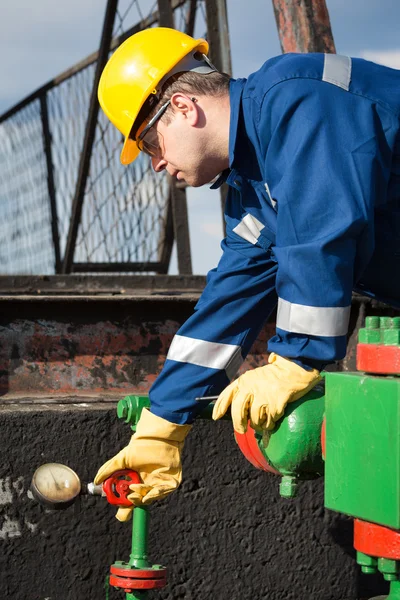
55	485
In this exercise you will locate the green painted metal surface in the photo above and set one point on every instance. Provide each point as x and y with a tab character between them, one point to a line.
380	330
368	564
140	534
362	469
394	591
130	408
137	596
294	447
389	568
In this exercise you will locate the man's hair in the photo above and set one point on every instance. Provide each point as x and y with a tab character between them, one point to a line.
213	84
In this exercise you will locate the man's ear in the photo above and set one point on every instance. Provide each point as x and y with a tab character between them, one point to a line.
185	106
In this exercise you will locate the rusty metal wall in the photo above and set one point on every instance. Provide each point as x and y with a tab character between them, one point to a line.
110	343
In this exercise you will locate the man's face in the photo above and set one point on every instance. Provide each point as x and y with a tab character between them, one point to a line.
183	149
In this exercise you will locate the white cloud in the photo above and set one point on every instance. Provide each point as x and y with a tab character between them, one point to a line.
389	58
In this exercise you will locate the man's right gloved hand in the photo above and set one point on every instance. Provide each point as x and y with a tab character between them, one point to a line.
154	452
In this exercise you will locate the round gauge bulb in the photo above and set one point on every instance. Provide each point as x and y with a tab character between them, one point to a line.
55	485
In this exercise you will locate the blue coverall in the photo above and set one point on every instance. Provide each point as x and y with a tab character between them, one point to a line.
313	212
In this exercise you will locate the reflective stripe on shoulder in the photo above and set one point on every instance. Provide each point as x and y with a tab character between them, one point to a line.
213	355
249	229
312	320
273	202
337	70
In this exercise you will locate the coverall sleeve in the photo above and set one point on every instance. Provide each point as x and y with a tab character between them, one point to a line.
209	348
322	165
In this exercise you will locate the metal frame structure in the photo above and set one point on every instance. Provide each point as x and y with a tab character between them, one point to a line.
175	221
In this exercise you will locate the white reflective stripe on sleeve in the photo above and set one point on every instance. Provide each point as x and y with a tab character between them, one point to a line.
337	70
226	357
249	229
312	320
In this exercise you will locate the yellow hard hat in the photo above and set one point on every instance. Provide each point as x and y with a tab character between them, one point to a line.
129	84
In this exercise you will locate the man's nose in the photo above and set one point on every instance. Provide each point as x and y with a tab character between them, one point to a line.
158	164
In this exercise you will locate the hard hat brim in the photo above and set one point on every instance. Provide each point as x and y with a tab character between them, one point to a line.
129	151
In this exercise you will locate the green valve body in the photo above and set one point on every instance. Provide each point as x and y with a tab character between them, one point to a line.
293	447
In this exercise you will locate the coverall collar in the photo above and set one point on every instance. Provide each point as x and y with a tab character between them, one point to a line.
235	93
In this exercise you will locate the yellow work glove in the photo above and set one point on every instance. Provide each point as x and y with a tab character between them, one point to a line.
154	452
262	394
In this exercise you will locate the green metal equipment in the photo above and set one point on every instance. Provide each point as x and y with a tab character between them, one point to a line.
362	468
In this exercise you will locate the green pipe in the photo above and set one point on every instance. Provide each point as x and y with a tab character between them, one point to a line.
130	408
394	591
138	557
140	534
137	596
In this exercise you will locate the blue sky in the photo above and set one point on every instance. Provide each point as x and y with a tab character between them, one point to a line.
40	39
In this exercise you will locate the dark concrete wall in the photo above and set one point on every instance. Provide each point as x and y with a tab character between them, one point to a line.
224	534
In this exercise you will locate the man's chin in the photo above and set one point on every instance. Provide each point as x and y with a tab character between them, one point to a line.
198	181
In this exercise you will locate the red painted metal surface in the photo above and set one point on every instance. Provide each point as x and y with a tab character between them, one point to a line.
376	540
323	438
304	26
116	487
129	584
139	573
247	443
377	358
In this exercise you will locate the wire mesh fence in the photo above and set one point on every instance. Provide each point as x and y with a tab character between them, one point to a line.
124	215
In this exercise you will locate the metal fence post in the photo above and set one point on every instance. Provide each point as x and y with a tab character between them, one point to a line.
178	195
220	54
50	181
84	163
304	26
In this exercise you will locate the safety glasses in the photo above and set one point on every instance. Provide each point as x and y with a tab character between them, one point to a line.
148	140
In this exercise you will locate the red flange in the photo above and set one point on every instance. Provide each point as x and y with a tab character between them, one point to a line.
377	358
376	540
247	443
138	573
129	584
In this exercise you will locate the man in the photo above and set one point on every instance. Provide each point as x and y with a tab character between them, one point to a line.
310	148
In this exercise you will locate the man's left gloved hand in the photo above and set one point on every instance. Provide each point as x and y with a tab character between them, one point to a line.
261	395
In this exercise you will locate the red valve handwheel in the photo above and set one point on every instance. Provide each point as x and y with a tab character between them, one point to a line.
116	487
